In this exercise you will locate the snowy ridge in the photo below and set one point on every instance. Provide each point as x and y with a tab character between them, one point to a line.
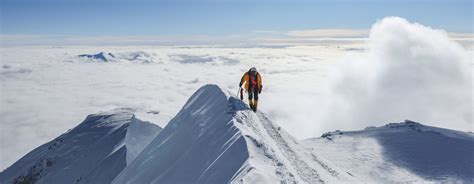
200	144
400	152
424	128
275	156
95	151
404	126
216	138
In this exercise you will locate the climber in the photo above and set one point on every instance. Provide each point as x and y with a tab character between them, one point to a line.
253	86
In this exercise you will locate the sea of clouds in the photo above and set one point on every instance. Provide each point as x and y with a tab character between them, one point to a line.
403	71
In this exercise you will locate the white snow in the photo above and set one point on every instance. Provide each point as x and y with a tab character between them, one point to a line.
400	152
200	144
216	138
139	135
95	151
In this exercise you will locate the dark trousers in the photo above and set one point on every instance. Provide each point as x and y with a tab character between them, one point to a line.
253	94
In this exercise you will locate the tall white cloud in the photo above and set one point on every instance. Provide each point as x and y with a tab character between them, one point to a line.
411	72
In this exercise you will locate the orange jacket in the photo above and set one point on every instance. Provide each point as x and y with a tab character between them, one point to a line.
246	79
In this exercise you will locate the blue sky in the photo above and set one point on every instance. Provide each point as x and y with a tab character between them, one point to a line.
226	17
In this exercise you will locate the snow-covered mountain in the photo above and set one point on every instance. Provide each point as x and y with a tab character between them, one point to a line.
95	151
216	138
400	152
101	56
136	57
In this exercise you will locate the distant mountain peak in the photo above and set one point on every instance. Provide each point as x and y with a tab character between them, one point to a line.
99	56
406	123
96	150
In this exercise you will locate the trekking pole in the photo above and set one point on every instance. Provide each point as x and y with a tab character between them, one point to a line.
241	94
238	91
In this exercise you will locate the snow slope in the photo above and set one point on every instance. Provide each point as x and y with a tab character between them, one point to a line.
400	152
95	151
215	138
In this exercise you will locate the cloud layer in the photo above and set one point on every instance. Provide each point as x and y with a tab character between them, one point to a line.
329	33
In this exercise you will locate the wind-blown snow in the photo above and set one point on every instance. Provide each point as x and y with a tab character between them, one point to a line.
95	151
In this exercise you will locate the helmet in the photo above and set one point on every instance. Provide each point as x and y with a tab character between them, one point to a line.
253	70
